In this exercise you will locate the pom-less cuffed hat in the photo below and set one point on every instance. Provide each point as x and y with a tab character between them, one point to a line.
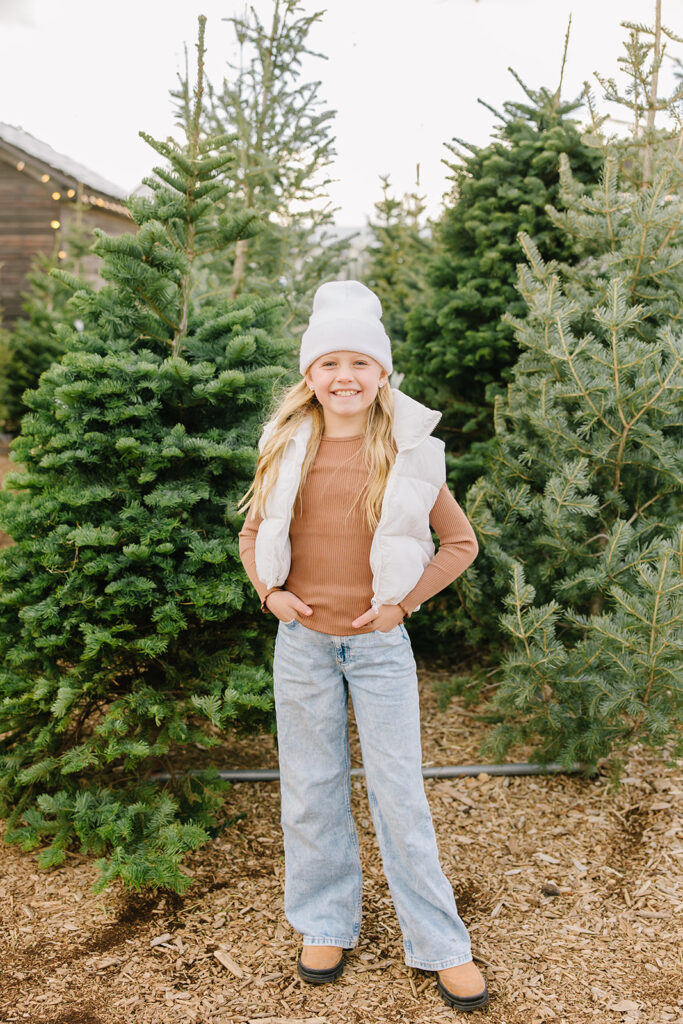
346	317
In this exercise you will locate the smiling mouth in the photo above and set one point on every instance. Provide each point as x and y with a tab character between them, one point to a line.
345	394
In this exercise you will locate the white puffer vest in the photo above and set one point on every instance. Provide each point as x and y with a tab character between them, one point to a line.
402	544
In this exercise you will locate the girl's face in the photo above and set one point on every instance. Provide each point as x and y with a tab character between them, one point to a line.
346	385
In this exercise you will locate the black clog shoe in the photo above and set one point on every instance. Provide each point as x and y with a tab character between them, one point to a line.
320	975
462	1002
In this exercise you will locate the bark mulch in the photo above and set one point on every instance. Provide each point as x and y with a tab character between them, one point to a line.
572	893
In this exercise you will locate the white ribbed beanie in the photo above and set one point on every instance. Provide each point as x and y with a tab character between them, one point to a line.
346	317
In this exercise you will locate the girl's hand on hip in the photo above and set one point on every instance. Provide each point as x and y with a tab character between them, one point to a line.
286	606
383	618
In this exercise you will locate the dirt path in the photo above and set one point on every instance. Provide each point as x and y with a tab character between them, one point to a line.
605	948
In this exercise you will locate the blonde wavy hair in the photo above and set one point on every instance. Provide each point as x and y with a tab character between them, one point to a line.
290	411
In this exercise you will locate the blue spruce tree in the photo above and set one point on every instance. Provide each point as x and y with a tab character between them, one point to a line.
578	591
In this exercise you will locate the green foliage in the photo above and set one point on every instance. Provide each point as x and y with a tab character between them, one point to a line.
283	146
5	357
618	681
396	260
460	349
143	833
128	629
578	582
33	343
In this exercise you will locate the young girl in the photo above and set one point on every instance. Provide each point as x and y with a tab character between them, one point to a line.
337	544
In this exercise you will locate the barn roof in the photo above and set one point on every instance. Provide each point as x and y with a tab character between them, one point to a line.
21	144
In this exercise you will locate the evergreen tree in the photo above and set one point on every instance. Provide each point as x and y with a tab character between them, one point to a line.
459	350
4	363
128	629
396	261
284	146
33	344
579	578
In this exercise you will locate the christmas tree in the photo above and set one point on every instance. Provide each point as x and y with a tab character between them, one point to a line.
128	630
5	356
396	260
459	350
33	344
284	145
579	576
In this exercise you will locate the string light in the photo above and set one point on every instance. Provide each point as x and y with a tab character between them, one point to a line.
54	224
87	199
62	254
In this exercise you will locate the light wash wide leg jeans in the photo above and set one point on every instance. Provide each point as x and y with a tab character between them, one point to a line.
313	674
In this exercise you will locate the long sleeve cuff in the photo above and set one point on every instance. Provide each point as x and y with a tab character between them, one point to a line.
264	608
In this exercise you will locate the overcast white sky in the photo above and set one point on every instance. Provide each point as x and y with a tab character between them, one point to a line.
403	75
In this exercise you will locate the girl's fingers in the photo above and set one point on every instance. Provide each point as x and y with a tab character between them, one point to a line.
303	608
366	617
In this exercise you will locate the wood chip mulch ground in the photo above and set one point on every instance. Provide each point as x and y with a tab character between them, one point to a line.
572	893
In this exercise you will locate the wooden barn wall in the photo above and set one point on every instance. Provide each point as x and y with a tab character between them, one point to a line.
26	209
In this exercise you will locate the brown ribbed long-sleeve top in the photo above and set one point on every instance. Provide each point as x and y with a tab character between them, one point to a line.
330	539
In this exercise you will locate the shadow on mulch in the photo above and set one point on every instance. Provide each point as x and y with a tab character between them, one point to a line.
470	898
77	1015
136	913
34	963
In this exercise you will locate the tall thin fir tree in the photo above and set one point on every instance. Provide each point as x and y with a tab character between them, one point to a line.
579	586
395	260
128	630
285	145
459	349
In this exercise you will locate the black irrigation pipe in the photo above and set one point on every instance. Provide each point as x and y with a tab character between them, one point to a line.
448	772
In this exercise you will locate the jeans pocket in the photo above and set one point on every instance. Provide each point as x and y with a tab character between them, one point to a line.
393	632
397	633
290	624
